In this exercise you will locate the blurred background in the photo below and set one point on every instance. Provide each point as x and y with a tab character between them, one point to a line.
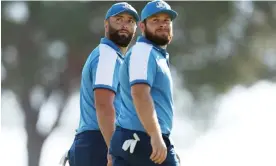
223	60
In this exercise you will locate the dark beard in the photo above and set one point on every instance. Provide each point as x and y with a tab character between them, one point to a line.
120	40
158	40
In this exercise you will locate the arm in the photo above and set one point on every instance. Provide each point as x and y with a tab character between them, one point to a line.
105	112
105	77
142	71
145	108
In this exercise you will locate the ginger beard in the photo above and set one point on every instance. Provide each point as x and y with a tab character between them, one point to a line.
157	38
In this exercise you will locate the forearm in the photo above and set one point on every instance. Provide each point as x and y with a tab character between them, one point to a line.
106	120
145	109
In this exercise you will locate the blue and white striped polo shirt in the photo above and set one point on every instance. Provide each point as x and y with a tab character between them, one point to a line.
100	71
146	63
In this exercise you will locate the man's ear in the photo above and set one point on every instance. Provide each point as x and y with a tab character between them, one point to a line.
106	25
142	26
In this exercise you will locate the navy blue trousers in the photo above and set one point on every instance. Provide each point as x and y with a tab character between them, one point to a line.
125	152
88	149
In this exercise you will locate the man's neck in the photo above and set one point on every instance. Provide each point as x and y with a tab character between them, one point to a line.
164	46
123	50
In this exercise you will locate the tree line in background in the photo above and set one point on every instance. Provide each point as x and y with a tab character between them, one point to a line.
219	44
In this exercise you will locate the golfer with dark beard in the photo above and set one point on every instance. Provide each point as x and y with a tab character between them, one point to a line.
142	135
99	90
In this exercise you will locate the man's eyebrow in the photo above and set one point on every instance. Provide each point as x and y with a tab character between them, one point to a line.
120	16
156	16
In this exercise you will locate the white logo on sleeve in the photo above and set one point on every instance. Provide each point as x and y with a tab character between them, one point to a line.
131	143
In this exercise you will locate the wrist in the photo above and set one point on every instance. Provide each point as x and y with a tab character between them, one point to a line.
156	133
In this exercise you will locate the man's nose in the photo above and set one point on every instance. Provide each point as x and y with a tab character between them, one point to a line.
125	26
163	25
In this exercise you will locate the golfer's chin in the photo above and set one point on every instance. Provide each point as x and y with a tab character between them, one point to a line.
123	34
162	37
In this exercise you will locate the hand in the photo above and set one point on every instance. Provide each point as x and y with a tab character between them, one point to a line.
109	160
159	149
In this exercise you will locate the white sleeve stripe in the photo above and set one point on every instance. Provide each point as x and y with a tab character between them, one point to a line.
138	63
106	65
